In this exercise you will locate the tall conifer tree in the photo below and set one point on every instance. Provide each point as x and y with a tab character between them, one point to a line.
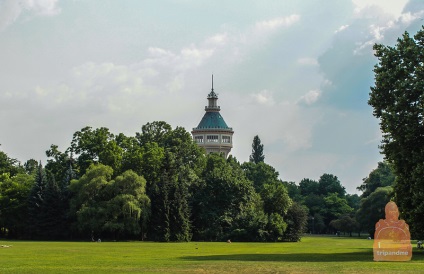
35	203
257	155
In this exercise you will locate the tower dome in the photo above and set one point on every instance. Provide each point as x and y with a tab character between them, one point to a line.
212	133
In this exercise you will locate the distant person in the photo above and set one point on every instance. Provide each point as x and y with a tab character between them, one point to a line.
392	239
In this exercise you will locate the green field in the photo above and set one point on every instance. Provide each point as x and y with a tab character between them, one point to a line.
311	255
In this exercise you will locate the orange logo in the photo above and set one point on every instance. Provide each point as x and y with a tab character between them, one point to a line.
392	240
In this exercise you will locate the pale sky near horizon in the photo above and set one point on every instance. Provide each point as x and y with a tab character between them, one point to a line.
295	72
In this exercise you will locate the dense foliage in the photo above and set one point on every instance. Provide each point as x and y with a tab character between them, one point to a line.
159	185
398	101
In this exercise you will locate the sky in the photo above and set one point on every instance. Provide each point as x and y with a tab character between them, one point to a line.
297	73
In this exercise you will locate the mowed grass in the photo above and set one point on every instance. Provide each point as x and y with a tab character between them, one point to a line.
311	255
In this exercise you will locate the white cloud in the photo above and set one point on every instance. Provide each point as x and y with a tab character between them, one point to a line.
308	61
284	127
176	84
327	83
41	92
376	34
158	52
188	58
10	10
342	28
264	97
377	30
219	39
277	22
193	56
99	87
42	7
391	7
310	97
408	18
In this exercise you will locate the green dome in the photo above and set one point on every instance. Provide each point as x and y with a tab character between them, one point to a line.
212	120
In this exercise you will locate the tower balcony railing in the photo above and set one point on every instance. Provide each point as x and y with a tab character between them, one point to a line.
212	128
213	108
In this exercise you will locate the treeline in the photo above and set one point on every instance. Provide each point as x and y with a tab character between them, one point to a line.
331	210
159	185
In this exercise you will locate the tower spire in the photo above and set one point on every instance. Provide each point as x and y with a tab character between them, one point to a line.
212	94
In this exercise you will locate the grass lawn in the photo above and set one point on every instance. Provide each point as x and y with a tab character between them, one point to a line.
311	255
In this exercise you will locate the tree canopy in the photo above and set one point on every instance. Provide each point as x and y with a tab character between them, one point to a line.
382	176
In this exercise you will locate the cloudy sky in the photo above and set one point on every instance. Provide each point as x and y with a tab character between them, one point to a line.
295	72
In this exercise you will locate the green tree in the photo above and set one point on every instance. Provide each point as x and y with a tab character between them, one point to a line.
398	101
171	163
353	200
345	223
53	211
308	186
58	164
329	183
220	199
152	165
382	176
276	198
14	193
133	153
294	191
61	169
334	207
297	220
316	224
276	202
96	146
126	205
31	166
260	174
257	155
252	224
372	208
36	202
156	132
109	207
171	218
326	200
89	199
276	227
315	203
8	165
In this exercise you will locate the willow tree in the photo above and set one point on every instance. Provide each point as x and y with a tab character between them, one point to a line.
103	206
